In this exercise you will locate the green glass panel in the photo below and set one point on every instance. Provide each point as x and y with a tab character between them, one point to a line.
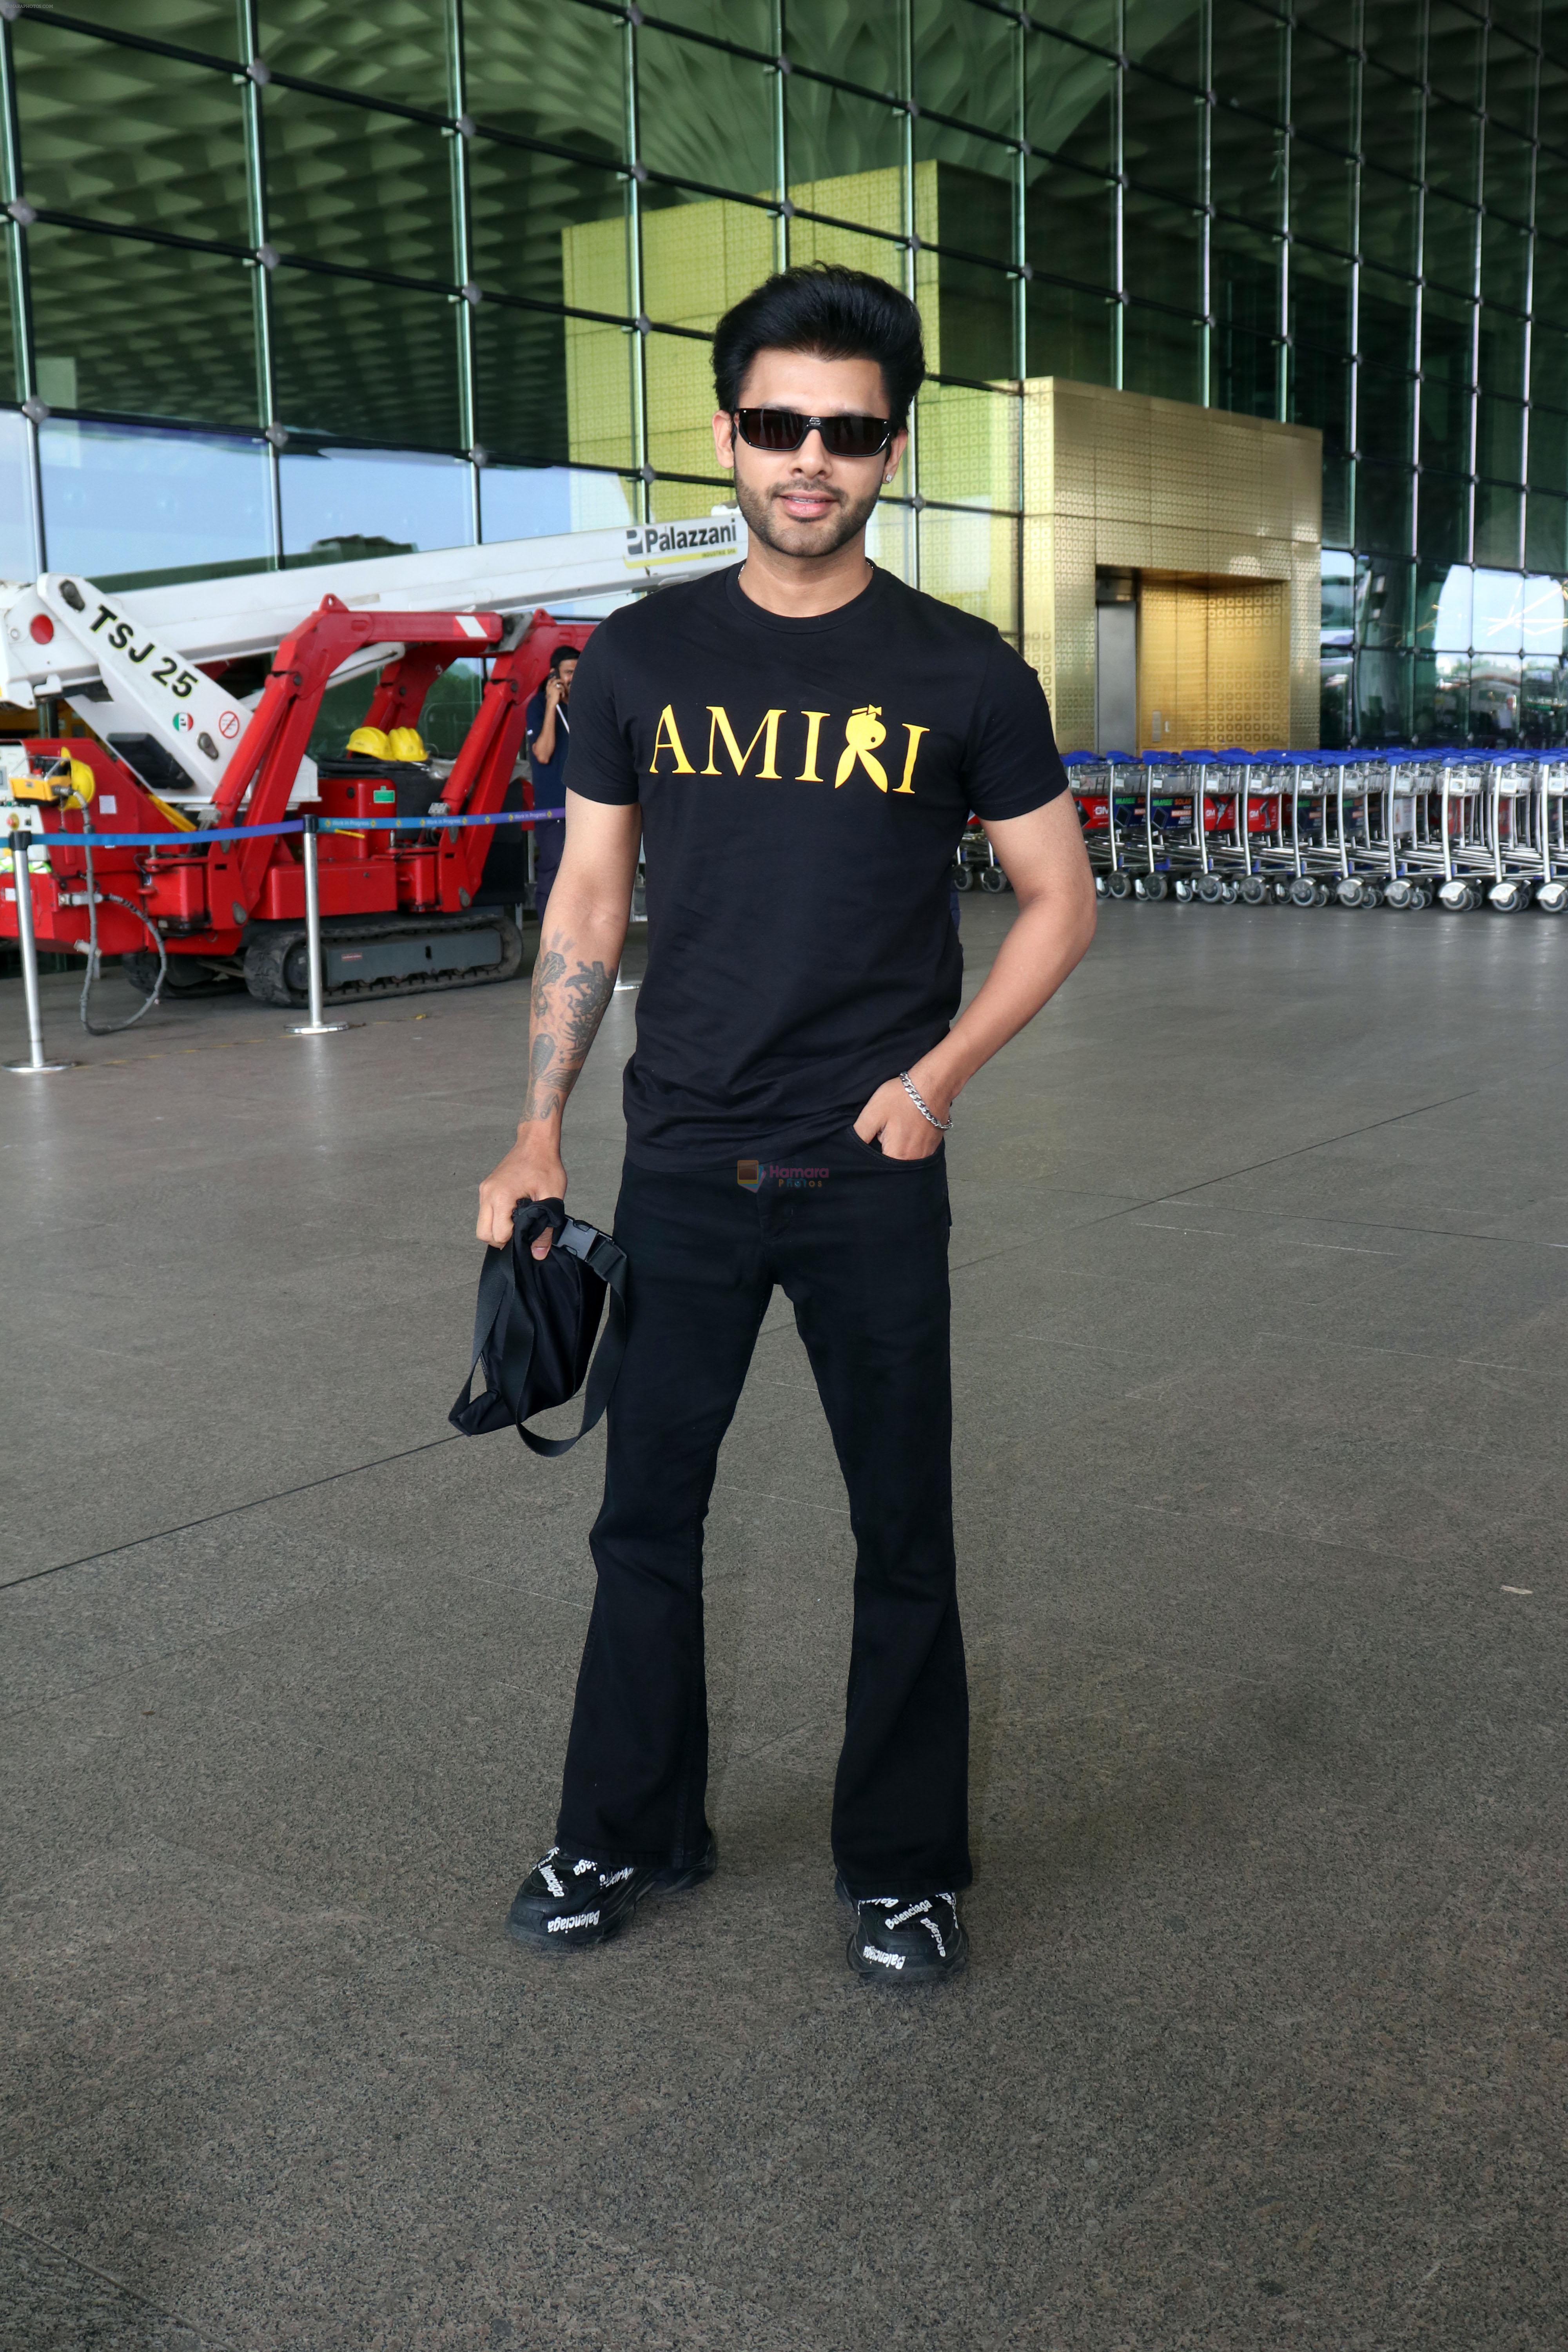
1499	438
1390	220
547	228
966	64
851	248
1383	506
1548	460
968	446
1392	31
1392	114
1161	252
1546	532
11	385
132	507
1542	699
1505	262
1383	589
1383	693
1070	223
1446	421
1442	517
1161	137
1497	522
1447	338
1246	169
679	379
135	329
1320	290
1334	20
1322	91
749	22
1442	698
974	308
1549	297
976	190
1495	685
1453	46
1508	165
1166	35
18	544
858	40
1549	364
1387	319
1244	278
1453	149
128	137
1502	353
1249	59
1443	597
837	141
1161	355
1319	396
1384	412
1323	196
1510	82
701	255
342	504
1244	373
550	390
396	50
971	561
1069	333
1069	101
367	362
547	70
1449	243
210	24
1088	20
351	184
1335	704
705	115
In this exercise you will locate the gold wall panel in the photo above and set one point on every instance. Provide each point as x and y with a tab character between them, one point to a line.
1213	663
1127	481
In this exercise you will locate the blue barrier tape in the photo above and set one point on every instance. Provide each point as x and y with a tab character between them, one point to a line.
424	824
164	840
270	832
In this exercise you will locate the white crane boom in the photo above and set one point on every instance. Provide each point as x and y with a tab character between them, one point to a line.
132	663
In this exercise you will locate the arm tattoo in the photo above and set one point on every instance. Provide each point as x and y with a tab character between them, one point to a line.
567	1005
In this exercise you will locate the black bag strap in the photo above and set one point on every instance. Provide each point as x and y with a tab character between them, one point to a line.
494	1334
609	1261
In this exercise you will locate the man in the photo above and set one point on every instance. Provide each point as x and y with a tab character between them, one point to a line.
549	735
797	743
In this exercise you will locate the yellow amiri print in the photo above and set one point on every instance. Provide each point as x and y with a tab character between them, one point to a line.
863	731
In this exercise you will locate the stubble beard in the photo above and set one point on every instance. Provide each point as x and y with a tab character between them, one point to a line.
807	539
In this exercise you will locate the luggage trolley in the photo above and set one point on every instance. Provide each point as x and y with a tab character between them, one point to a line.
1172	849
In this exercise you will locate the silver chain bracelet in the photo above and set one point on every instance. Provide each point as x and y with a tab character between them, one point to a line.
920	1103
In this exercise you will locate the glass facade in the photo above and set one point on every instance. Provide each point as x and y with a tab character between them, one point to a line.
286	280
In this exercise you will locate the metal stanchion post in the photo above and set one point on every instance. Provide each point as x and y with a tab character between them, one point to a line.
34	1065
315	1027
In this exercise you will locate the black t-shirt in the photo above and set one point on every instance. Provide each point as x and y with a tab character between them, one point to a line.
803	785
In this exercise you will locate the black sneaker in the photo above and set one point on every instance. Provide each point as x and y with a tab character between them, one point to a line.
901	1942
567	1900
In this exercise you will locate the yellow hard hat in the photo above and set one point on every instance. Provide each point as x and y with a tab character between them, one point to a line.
372	742
84	783
404	743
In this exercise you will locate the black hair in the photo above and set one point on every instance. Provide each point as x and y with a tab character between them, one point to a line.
839	314
565	653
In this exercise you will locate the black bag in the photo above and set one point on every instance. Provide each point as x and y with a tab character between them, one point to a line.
536	1323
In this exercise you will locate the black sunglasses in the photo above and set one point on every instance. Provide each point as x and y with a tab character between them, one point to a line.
842	436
